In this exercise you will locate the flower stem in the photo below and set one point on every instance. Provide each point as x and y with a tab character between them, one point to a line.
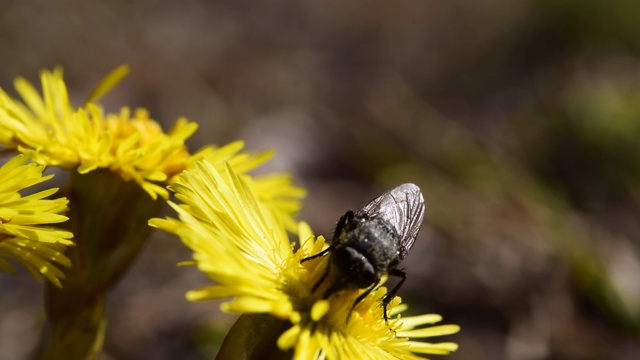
254	336
108	218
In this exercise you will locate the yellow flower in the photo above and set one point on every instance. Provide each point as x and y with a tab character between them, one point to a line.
22	237
242	246
52	132
122	163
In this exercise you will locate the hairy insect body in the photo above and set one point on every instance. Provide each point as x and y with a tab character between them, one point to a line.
370	243
365	250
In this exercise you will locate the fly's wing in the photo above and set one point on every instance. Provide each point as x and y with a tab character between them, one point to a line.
403	207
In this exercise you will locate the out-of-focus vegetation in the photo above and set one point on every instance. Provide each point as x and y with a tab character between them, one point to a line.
520	120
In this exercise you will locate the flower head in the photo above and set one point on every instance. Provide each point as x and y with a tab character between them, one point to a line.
122	163
52	132
241	244
22	234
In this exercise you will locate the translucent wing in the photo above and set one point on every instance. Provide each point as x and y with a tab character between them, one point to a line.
403	207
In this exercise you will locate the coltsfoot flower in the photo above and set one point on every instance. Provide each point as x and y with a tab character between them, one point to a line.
25	234
242	245
52	132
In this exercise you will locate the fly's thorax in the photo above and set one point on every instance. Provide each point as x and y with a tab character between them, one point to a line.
366	251
377	240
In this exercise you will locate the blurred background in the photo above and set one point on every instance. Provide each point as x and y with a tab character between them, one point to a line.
520	121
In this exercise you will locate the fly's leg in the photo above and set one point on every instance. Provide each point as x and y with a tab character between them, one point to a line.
324	276
342	222
391	294
361	297
344	219
316	255
348	216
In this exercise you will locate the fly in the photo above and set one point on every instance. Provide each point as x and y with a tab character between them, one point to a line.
371	242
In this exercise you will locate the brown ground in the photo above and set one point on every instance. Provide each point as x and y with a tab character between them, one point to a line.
519	120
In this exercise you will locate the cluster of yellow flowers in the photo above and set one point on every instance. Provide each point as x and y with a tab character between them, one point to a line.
236	224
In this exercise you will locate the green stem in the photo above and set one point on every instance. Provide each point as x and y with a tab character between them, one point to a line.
254	337
75	335
108	218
